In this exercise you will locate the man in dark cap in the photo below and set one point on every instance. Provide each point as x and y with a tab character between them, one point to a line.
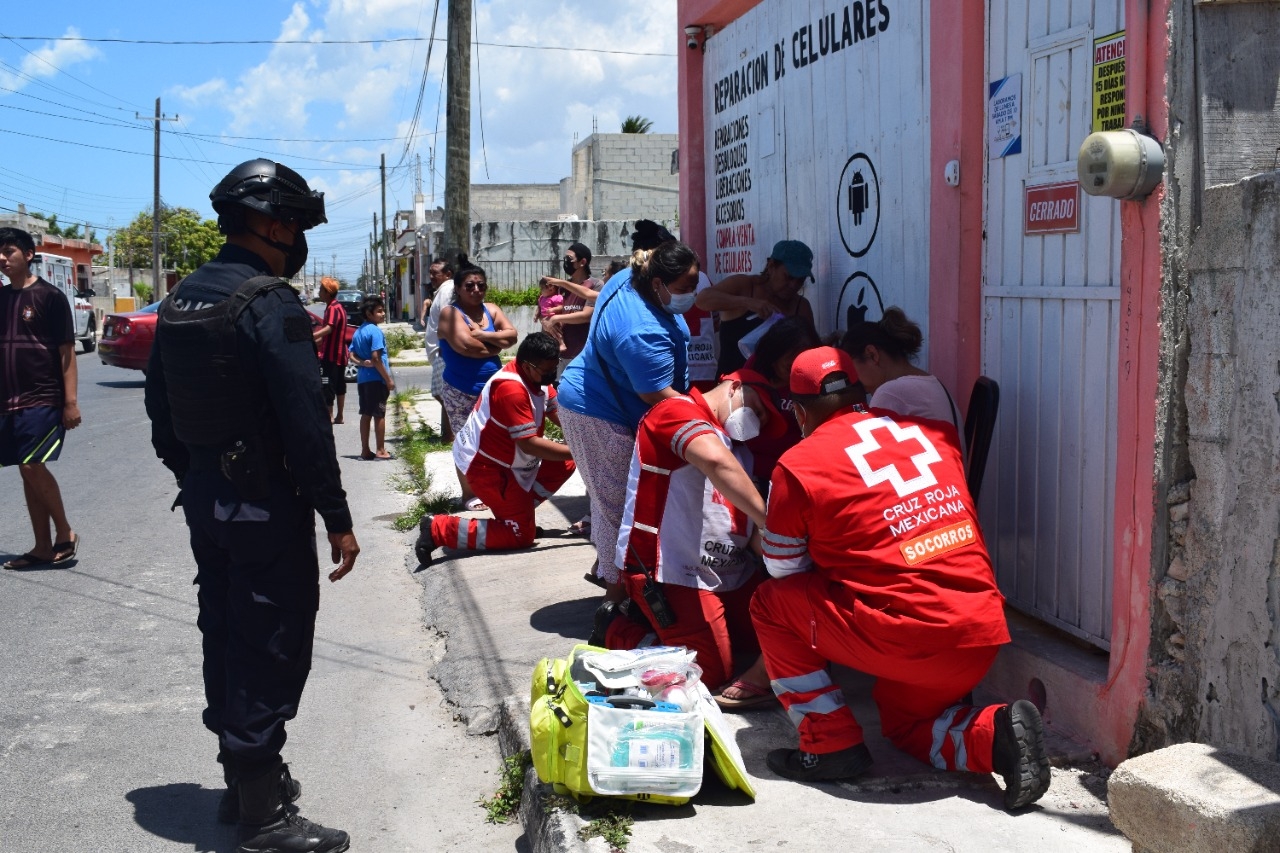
238	415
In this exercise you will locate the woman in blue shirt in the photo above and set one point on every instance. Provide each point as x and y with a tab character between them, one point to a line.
636	354
472	333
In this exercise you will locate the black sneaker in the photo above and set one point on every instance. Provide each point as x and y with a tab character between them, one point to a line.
229	805
425	545
820	767
292	833
1018	754
605	614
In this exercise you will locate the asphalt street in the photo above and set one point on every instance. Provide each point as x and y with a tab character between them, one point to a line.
101	745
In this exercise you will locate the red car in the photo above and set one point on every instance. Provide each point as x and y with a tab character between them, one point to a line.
127	338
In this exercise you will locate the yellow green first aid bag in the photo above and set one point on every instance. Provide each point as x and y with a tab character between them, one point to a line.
586	749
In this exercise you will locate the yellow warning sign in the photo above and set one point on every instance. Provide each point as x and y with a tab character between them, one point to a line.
1108	82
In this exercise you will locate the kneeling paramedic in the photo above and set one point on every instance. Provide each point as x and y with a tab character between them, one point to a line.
878	564
505	457
238	414
690	513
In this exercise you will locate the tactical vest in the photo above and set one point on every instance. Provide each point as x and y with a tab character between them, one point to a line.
214	398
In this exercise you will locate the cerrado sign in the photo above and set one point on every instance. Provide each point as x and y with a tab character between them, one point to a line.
1052	209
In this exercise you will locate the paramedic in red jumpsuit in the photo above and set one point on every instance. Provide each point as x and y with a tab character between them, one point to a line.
688	521
878	564
505	457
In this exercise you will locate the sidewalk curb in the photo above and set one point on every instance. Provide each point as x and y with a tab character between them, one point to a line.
548	830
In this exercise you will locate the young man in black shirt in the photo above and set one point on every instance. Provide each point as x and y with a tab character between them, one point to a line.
38	401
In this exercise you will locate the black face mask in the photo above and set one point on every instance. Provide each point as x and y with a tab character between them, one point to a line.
569	266
295	256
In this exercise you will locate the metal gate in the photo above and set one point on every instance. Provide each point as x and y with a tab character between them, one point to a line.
1051	323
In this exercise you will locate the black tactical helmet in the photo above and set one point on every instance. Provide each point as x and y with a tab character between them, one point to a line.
270	188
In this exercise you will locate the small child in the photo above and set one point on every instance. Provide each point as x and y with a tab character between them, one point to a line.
550	299
373	379
550	302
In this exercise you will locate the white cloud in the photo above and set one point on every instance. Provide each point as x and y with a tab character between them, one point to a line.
535	102
46	61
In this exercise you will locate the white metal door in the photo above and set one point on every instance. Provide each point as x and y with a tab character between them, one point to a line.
1050	329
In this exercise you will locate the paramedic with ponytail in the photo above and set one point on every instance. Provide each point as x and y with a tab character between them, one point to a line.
636	355
505	457
691	512
878	564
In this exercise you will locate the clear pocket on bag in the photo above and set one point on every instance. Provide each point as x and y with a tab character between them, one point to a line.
644	752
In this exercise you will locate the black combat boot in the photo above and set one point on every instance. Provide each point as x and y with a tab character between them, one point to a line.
1018	754
266	826
229	805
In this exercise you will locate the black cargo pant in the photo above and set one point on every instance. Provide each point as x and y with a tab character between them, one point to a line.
258	579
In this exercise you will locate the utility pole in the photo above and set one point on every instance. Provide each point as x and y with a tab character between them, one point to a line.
373	249
156	290
386	254
457	162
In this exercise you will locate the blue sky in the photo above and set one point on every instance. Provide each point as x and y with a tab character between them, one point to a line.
326	110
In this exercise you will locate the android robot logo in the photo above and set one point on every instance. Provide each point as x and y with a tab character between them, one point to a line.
858	204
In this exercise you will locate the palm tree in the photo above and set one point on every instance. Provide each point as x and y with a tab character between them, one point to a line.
636	124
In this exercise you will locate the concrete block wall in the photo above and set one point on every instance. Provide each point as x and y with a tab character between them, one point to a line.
514	201
625	175
1221	592
517	253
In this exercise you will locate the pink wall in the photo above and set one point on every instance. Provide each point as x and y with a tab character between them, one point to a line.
1140	273
693	201
957	113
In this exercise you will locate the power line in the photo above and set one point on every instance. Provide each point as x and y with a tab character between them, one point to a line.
211	137
393	40
475	22
68	74
422	87
130	126
347	168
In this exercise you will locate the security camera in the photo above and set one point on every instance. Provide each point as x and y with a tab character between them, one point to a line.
692	32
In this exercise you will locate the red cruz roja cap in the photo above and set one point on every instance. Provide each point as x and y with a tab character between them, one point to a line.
811	369
776	425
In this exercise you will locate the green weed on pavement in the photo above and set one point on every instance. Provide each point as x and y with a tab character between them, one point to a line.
505	803
414	445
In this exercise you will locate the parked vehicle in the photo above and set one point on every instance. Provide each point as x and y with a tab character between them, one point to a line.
350	300
127	338
60	271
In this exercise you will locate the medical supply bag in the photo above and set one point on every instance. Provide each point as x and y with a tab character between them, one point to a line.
630	725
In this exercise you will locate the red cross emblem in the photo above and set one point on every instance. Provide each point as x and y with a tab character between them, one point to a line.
896	441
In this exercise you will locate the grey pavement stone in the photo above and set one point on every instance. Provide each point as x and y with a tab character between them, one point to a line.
1193	797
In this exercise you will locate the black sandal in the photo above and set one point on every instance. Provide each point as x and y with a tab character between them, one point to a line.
65	552
26	561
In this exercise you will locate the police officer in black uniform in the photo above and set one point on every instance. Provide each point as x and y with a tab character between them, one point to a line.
237	413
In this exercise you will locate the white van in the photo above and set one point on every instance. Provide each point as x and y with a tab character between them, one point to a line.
60	271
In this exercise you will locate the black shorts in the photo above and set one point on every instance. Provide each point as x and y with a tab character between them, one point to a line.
30	435
336	376
373	398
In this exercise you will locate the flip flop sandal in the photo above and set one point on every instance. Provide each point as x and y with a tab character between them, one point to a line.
756	696
26	561
65	552
475	505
